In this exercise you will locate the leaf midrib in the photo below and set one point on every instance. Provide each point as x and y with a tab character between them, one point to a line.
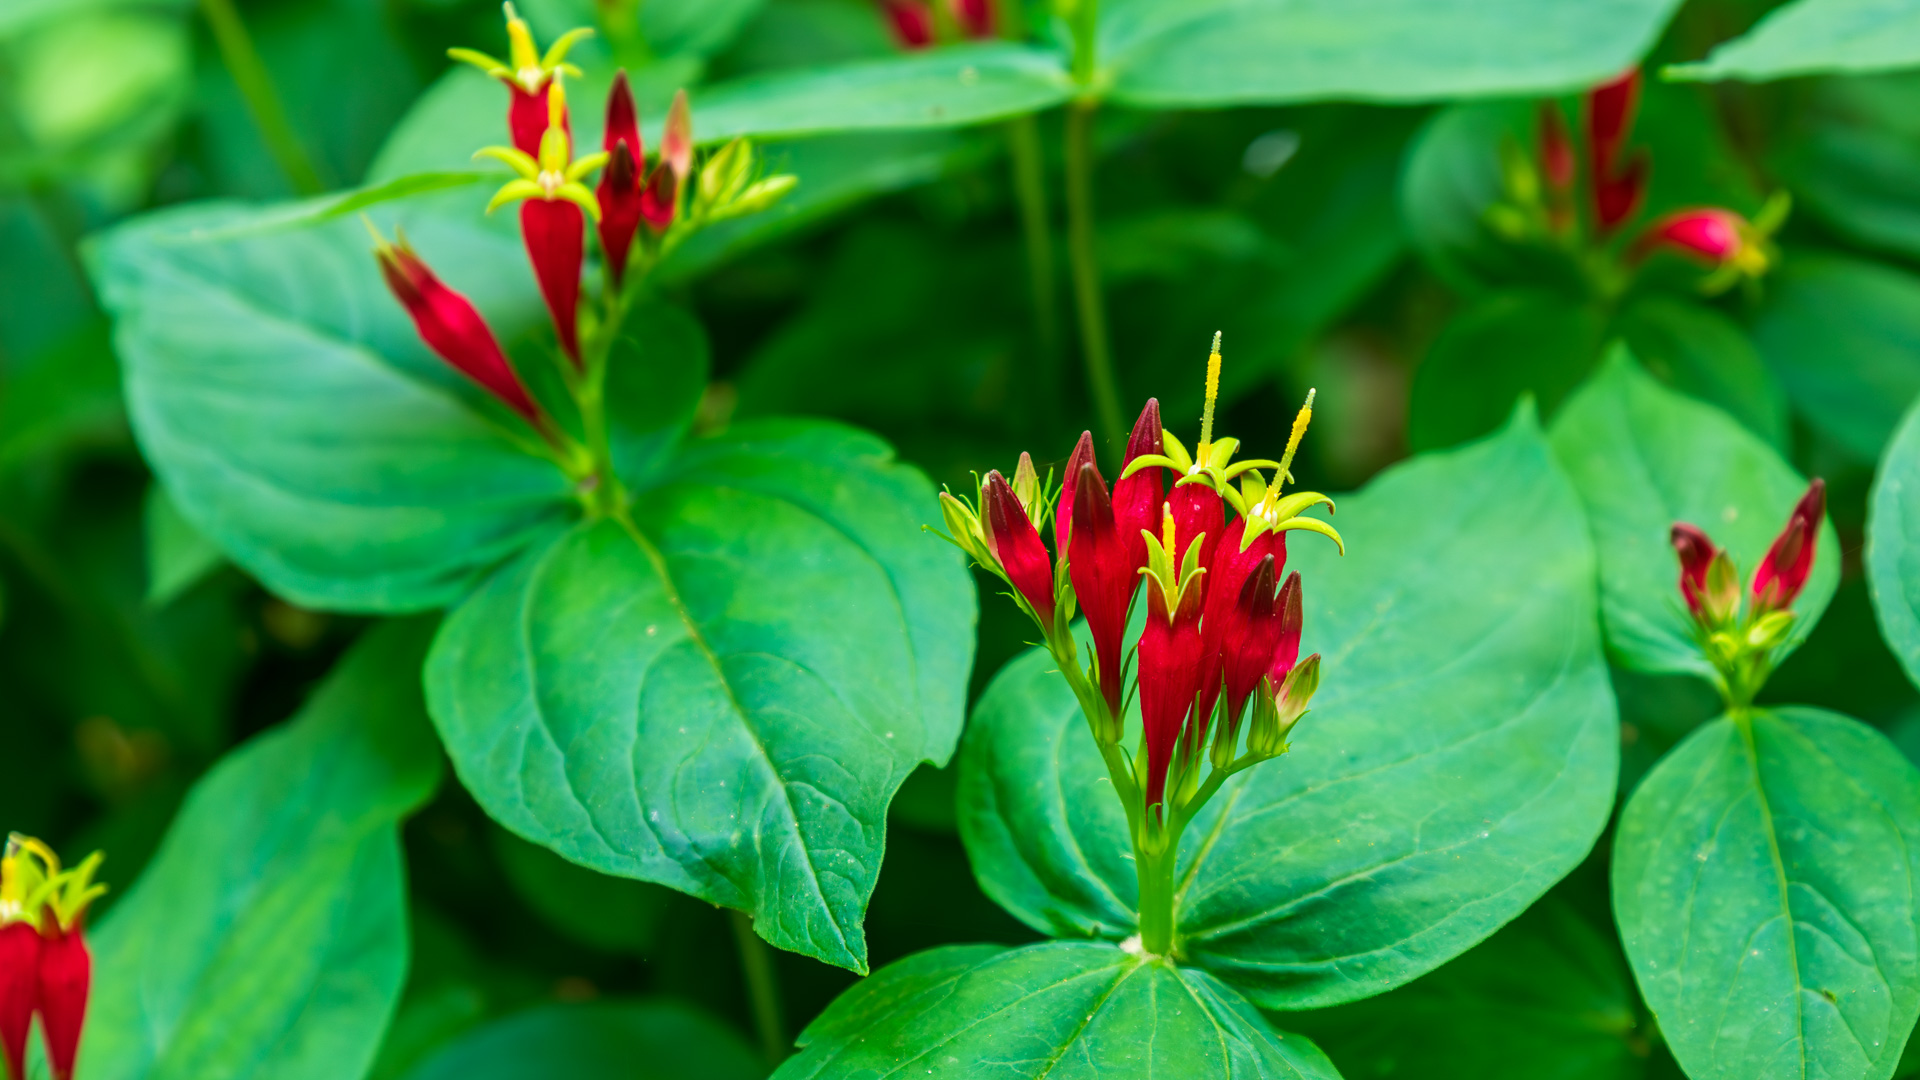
1743	723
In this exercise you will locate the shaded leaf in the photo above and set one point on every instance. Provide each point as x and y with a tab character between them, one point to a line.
602	1040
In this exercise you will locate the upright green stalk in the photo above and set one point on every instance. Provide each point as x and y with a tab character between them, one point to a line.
763	989
243	63
1155	869
1030	192
1088	300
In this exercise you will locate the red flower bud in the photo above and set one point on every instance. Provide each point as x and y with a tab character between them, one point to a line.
1556	148
1221	624
1248	646
1069	481
1137	498
1783	573
1013	541
620	182
911	20
19	992
1286	652
554	231
975	17
1711	235
451	327
1610	110
1617	198
1696	555
66	972
1103	577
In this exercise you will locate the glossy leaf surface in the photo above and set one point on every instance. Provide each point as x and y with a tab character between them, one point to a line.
725	701
1644	457
1189	54
1810	37
1893	545
269	936
1459	758
1766	888
1060	1009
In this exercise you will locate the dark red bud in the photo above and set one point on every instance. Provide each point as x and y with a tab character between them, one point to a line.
619	190
1251	637
1286	652
555	234
1696	555
452	328
1063	513
1138	498
1610	110
911	20
975	17
1016	544
1783	573
1617	197
1556	148
66	972
1103	579
657	200
19	992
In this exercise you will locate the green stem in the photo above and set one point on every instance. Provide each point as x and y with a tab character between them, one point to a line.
763	988
605	495
1030	191
243	63
1086	273
1155	868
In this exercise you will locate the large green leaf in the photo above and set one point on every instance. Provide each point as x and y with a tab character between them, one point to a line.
297	420
724	699
1809	37
1893	555
1060	1010
268	939
1765	882
1547	996
1460	757
1850	152
1196	53
602	1040
1644	457
1843	335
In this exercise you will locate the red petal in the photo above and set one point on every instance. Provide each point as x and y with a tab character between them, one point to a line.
555	234
66	971
453	329
19	992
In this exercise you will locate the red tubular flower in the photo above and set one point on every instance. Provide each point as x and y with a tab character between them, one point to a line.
1012	539
1229	569
620	183
19	991
554	231
528	76
661	199
1199	515
451	327
1617	189
1696	556
1137	498
1170	654
911	21
1286	651
66	972
975	17
1103	575
1783	573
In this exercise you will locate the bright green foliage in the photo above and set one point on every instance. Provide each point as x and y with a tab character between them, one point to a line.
725	702
269	936
602	1040
1893	559
1808	37
1073	1010
1765	883
1644	457
1339	871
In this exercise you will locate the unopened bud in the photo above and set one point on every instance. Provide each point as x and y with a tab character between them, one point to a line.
1770	630
1026	485
964	526
761	194
1517	173
725	175
1720	600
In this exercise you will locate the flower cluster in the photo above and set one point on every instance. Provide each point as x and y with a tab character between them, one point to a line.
1541	196
1216	669
639	215
1740	638
45	969
918	24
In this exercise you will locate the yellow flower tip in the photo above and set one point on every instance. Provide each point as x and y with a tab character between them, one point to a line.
1213	396
1166	528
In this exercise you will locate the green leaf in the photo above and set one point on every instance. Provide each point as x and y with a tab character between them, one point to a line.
602	1040
1893	561
177	555
298	421
1843	335
1642	458
1811	37
269	936
934	88
1704	353
1459	759
1764	881
1851	155
1504	345
1452	176
1204	53
724	699
1063	1010
1546	996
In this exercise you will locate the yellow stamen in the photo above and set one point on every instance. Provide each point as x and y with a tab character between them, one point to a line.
1213	395
520	51
1300	422
1166	530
